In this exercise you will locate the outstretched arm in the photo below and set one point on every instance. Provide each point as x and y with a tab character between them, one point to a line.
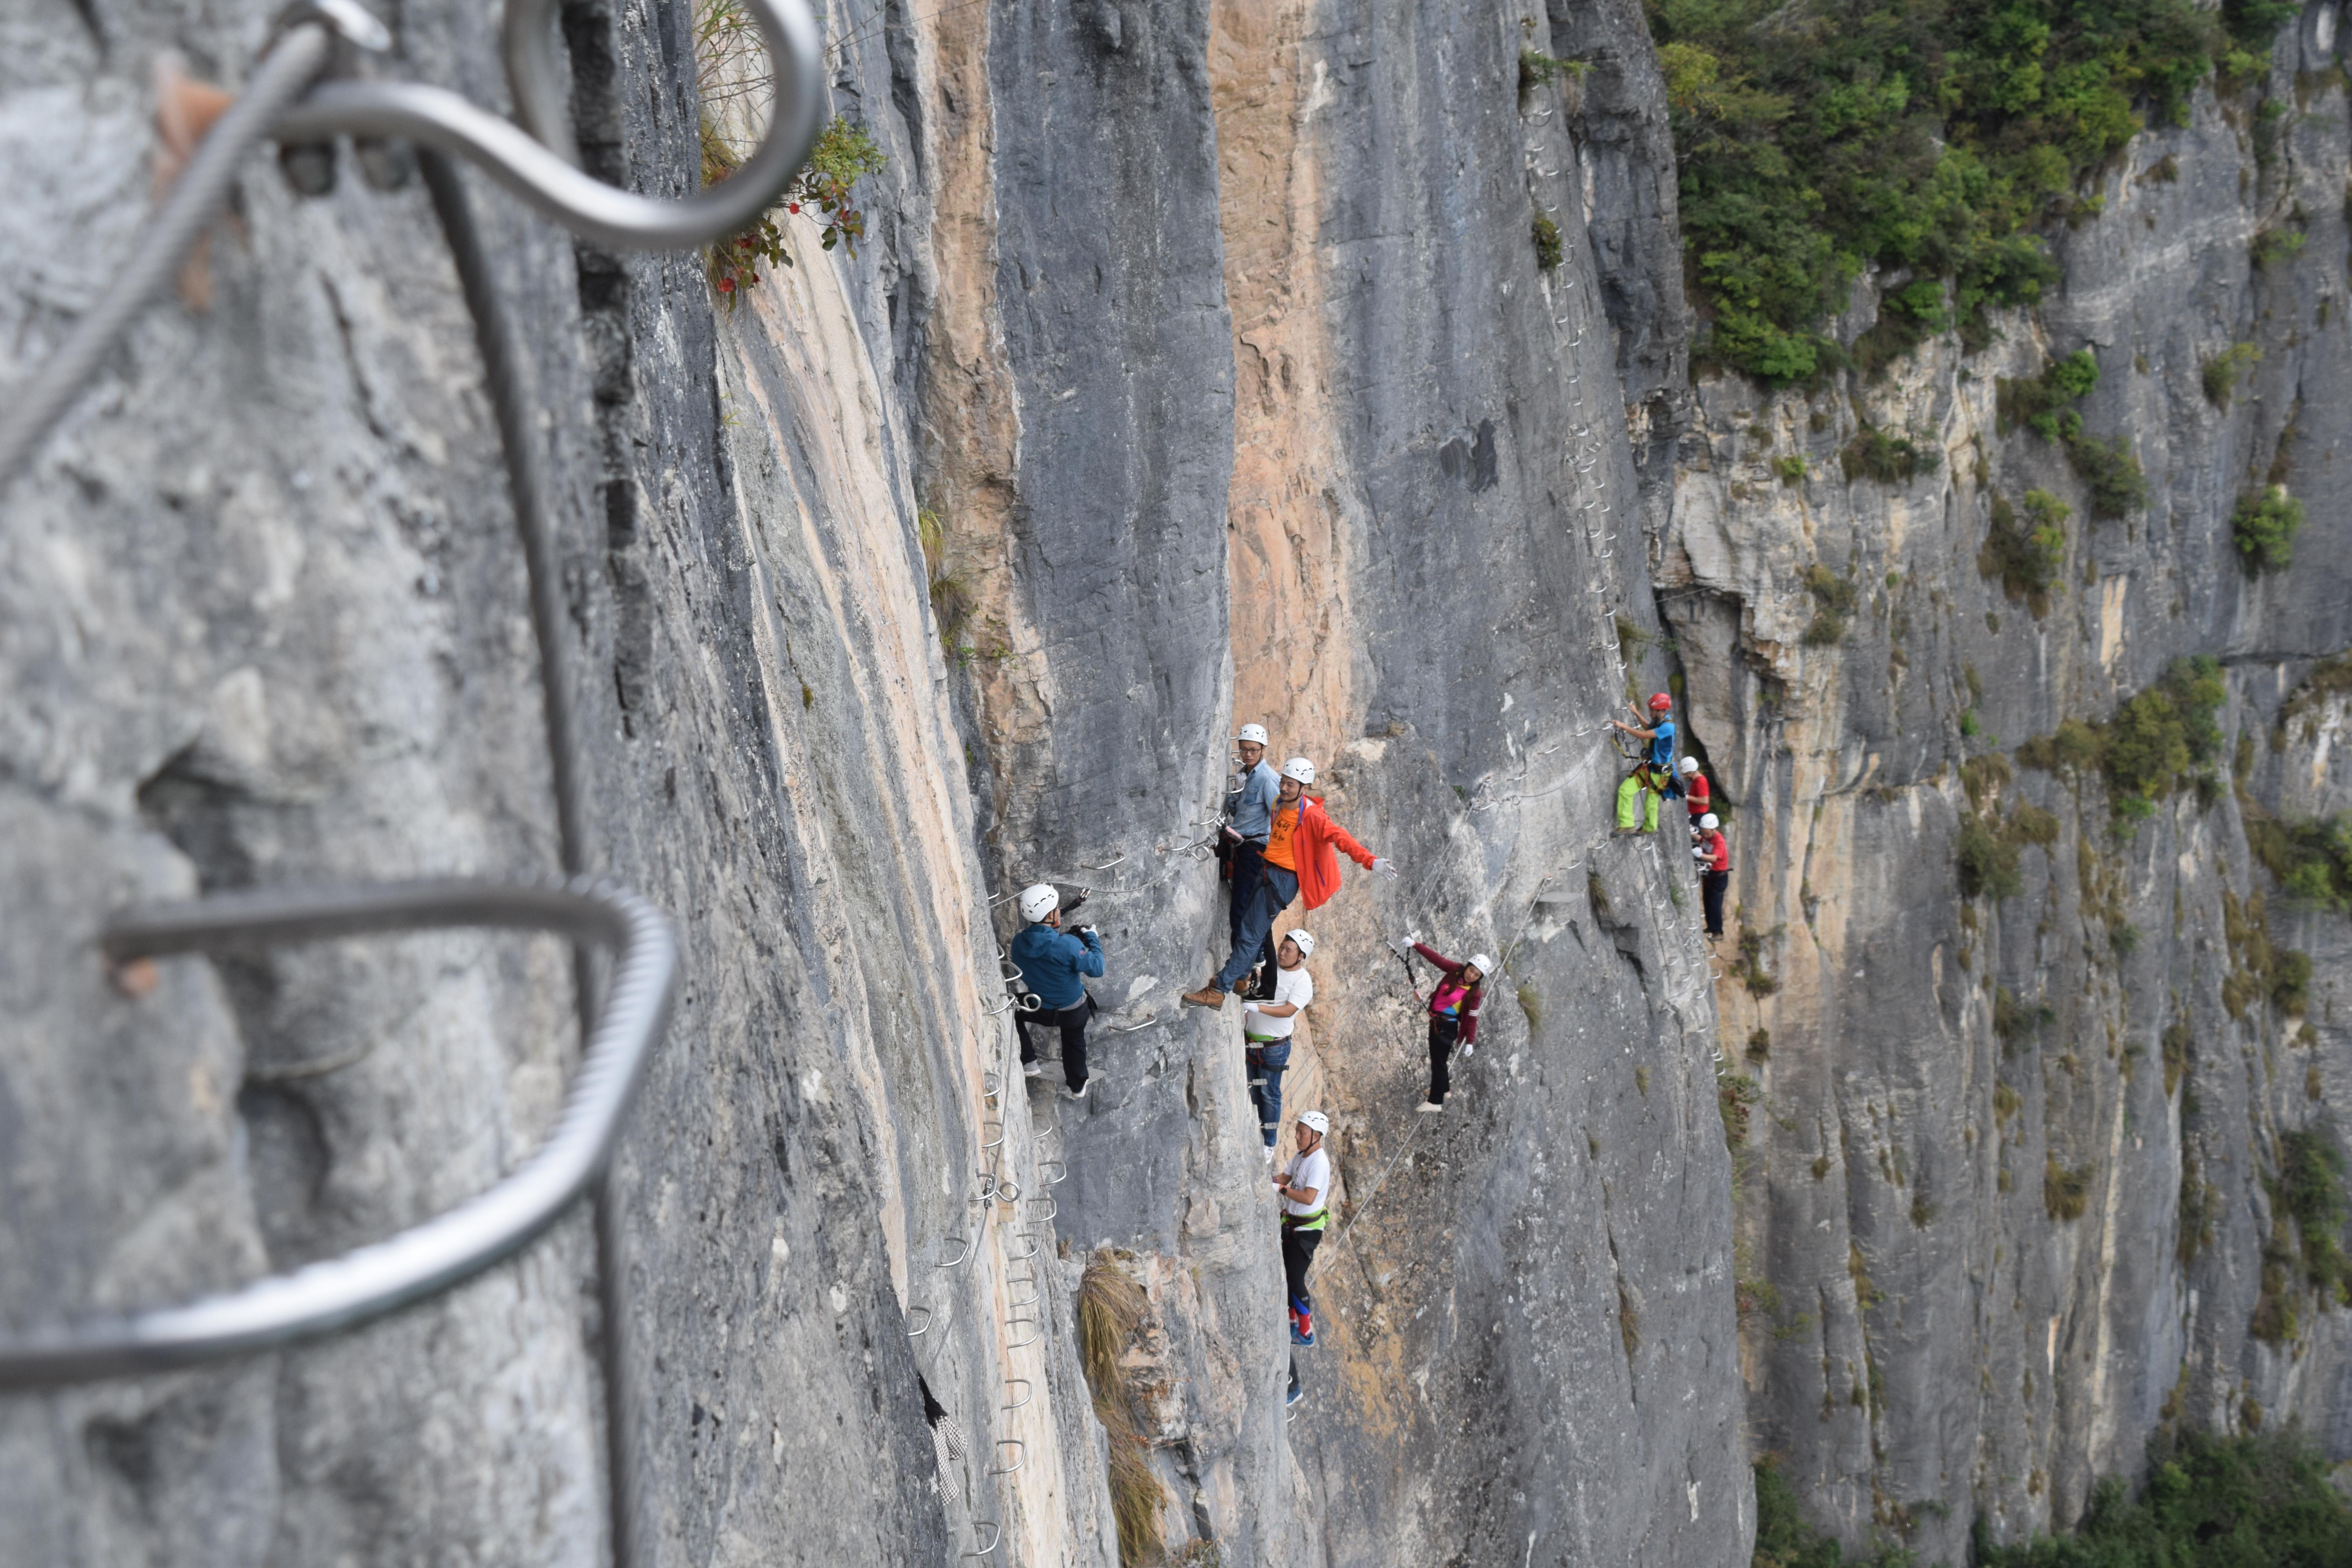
1436	957
1345	842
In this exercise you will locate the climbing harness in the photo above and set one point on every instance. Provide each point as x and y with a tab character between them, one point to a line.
286	101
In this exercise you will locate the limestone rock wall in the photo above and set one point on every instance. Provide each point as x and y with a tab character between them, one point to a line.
1941	1341
1197	361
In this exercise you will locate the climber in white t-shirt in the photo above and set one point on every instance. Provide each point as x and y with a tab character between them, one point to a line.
1266	1026
1305	1185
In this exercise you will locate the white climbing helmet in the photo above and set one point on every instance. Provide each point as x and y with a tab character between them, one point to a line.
1687	766
1315	1121
1039	900
1306	942
1253	733
1299	768
1710	822
1482	963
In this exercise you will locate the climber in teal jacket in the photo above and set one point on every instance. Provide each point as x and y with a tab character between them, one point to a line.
1052	963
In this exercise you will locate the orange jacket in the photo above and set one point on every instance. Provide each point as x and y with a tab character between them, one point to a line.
1311	843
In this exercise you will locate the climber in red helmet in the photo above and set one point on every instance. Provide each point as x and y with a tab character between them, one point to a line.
1647	785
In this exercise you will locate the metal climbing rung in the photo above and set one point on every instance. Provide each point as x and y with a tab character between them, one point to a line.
1023	1344
381	1277
1036	1293
1020	1459
961	1258
918	1334
995	1537
991	1143
1028	1392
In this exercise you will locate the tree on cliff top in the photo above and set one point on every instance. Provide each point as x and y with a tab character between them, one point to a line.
1928	137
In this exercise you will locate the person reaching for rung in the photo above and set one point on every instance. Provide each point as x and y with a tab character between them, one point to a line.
1452	1013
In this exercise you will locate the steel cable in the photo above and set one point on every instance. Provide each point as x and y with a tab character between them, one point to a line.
383	1277
189	209
535	164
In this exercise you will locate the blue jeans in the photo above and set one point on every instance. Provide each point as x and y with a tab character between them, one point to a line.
1268	1062
1275	889
1248	858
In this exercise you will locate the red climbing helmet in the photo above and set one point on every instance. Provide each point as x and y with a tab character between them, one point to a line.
1661	702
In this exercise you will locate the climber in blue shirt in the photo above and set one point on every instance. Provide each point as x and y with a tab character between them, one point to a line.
1051	962
1647	785
1251	808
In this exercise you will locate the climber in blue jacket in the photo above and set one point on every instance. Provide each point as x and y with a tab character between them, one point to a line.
1052	963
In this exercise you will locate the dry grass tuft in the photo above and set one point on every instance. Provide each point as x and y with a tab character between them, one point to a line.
1111	1307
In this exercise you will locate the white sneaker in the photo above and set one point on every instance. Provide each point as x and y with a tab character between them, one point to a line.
1031	1070
1429	1108
1079	1092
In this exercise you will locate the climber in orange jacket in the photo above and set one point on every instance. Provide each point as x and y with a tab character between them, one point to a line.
1298	862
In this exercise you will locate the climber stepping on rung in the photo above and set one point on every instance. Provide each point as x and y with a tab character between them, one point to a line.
1267	1025
1652	777
1299	862
1050	962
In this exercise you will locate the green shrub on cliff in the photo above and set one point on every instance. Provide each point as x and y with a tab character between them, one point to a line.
2209	1502
2035	401
2309	1190
2110	469
1549	251
2027	556
2152	745
1915	135
2263	527
2312	860
1783	1538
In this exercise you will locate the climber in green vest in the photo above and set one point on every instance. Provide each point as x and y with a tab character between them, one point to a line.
1305	1184
1647	785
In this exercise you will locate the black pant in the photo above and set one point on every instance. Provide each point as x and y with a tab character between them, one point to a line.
1072	1022
1711	885
1443	1033
1297	1252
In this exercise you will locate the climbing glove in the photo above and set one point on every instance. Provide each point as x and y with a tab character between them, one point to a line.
1385	865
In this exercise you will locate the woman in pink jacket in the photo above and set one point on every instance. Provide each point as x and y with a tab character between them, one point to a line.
1453	1014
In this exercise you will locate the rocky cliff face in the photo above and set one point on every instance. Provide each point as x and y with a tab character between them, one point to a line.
2011	1182
1199	367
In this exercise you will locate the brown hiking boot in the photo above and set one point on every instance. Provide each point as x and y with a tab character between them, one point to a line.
1206	996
